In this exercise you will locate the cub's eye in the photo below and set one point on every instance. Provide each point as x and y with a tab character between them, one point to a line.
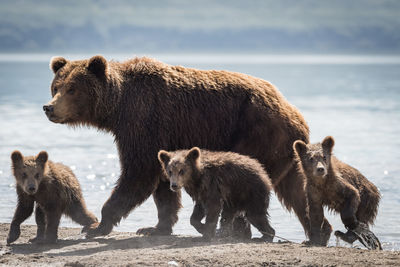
169	173
181	172
37	175
71	91
55	90
311	159
324	157
24	175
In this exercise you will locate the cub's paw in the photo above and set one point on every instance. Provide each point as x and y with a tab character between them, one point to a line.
92	226
98	229
153	231
14	234
36	239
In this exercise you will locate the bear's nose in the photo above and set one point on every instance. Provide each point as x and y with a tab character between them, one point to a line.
320	169
174	186
31	188
48	108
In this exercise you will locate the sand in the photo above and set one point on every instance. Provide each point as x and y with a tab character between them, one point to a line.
128	249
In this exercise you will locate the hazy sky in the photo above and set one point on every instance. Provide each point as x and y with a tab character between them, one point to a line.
208	14
316	25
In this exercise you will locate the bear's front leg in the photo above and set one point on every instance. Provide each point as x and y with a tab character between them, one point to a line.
40	219
197	215
23	211
316	214
168	204
53	217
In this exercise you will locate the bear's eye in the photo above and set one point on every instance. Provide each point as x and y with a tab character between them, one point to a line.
181	172
55	90
325	158
169	173
71	91
37	175
311	159
24	175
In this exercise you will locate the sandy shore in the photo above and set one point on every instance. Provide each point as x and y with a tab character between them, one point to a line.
128	249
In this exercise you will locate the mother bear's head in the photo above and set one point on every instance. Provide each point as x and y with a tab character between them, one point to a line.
76	90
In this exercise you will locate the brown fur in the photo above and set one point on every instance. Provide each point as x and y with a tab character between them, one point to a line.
56	191
148	105
220	180
332	183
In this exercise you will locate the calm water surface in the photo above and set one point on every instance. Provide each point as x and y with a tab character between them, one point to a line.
354	99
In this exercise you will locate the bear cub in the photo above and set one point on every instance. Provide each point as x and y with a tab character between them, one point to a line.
218	181
340	187
56	191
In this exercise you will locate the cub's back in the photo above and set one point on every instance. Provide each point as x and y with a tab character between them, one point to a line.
235	173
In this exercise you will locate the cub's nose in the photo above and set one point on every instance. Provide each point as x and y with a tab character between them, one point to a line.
174	187
320	169
31	188
48	108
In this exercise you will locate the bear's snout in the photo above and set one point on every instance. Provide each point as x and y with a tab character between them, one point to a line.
48	109
174	187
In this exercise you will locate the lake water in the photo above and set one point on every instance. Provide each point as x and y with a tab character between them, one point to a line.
356	99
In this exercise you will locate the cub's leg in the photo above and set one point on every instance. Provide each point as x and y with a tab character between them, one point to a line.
198	215
40	219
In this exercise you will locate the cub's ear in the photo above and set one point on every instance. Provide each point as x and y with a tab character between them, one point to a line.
16	157
98	66
42	157
328	143
57	63
193	154
299	147
164	157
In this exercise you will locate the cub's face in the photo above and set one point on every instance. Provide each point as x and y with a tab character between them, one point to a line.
178	166
29	171
315	158
72	89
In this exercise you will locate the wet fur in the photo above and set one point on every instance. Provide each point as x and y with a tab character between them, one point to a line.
219	181
58	193
148	105
344	189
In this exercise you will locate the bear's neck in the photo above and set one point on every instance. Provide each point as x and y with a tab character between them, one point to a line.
194	186
108	104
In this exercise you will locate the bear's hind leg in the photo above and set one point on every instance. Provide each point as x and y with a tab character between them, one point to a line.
226	221
79	214
348	237
260	221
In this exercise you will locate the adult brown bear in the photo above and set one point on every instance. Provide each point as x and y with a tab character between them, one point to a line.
148	105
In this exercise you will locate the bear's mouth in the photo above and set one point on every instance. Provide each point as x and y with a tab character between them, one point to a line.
54	118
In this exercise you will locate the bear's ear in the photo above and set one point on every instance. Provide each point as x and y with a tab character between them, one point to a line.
193	154
98	66
164	157
42	157
16	157
299	147
328	143
57	63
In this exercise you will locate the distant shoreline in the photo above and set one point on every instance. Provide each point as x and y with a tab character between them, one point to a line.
122	249
220	58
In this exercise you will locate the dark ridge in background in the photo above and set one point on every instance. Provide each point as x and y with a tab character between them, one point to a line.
357	26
